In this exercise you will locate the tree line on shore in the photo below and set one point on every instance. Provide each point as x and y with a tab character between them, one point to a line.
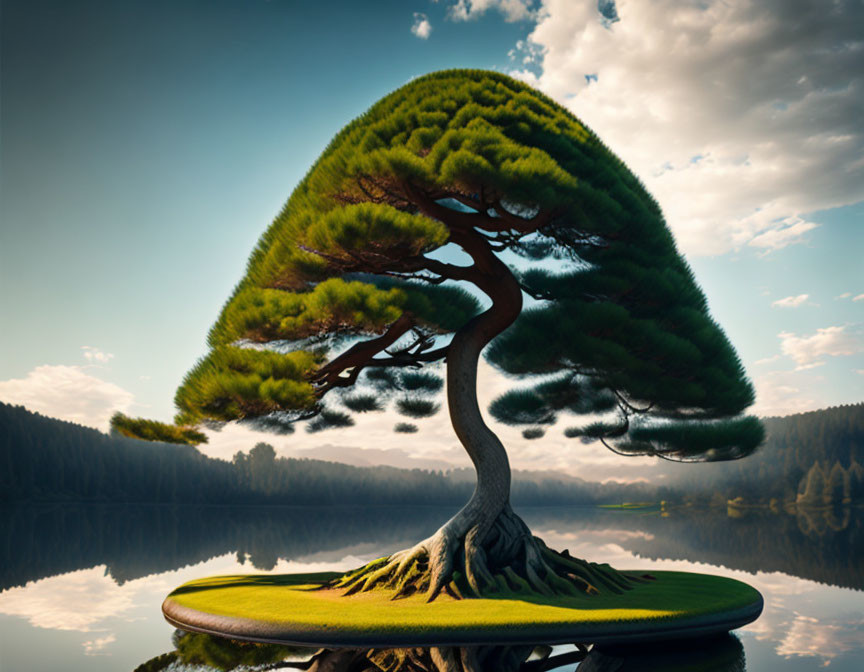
43	459
809	459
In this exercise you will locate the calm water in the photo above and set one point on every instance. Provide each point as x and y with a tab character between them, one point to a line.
81	586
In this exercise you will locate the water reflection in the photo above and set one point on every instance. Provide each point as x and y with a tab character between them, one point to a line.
132	542
823	545
83	584
197	651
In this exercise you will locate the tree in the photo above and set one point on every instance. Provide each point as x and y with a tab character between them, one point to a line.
343	297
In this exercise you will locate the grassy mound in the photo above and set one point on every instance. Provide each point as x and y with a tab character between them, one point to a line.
288	609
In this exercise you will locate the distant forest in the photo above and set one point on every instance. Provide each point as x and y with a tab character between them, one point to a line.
810	459
43	459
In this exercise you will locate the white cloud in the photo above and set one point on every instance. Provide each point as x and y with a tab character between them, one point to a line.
808	351
421	28
791	301
787	232
740	117
92	354
780	393
79	601
513	10
809	638
844	295
68	393
860	297
94	647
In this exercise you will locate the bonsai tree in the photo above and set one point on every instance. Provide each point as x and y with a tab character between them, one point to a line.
356	291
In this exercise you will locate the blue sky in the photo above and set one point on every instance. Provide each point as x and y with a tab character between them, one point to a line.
147	145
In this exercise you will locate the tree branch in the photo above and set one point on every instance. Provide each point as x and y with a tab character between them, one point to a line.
412	359
472	220
357	356
631	407
362	355
449	271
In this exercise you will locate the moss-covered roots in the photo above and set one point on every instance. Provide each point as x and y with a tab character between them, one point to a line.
508	560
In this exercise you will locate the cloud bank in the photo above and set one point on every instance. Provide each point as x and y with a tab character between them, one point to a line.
809	351
69	393
740	117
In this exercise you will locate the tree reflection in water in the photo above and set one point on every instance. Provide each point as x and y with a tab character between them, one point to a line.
823	545
194	651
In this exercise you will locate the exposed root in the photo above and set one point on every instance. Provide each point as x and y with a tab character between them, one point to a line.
503	557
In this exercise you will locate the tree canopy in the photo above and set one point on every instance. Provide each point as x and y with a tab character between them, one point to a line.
353	288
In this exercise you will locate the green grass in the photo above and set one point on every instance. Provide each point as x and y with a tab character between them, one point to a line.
286	600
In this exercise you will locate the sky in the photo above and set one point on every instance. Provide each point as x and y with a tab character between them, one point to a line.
145	146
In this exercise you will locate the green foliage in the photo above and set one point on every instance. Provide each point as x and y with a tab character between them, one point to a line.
539	405
416	383
382	378
699	374
275	423
357	236
233	383
362	403
622	324
633	325
597	430
532	433
719	440
521	407
261	314
421	382
440	308
405	428
417	407
151	430
328	419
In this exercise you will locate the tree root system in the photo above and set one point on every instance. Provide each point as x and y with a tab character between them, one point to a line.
503	557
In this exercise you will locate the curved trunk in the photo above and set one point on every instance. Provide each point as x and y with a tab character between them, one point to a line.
485	542
492	491
491	494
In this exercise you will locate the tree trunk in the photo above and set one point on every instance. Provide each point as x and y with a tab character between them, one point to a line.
491	494
485	543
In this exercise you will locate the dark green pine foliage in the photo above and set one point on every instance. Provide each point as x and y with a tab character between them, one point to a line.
341	290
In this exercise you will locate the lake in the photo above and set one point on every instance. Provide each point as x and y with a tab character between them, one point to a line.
81	585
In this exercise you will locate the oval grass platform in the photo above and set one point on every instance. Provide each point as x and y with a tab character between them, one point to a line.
283	609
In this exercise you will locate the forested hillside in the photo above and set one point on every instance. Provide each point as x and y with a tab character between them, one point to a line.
812	459
43	459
